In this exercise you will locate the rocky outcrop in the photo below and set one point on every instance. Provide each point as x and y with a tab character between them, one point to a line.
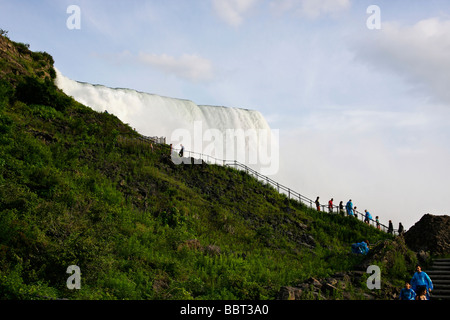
339	286
431	233
16	59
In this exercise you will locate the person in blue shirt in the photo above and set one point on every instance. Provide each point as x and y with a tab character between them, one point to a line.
421	280
349	207
407	293
368	217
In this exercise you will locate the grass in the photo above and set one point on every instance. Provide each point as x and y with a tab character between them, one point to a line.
78	188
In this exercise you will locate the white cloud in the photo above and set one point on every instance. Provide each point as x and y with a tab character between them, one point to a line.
315	8
311	8
232	11
190	67
117	20
417	53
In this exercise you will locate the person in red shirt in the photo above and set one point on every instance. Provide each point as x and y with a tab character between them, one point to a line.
330	205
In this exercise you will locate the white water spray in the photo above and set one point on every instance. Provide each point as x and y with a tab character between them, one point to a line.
200	128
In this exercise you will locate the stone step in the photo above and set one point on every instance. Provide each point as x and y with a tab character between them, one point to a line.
439	297
442	260
441	285
437	265
441	282
441	291
435	277
440	276
438	272
440	267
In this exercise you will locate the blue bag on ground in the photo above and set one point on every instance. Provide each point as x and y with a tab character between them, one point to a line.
360	248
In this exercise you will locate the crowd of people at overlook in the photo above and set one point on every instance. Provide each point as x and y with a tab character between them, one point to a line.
351	211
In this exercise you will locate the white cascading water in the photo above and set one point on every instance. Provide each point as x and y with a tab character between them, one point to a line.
220	132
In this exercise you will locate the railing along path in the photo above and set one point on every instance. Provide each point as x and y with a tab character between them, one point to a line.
291	194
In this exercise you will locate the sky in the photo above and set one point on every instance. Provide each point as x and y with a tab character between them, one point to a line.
360	94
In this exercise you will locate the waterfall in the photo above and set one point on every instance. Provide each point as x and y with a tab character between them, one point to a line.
221	132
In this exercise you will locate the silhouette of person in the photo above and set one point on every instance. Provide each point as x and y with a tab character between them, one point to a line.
181	151
390	228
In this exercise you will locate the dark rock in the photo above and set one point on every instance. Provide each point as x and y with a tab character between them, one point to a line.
307	240
212	250
423	257
431	233
290	293
316	283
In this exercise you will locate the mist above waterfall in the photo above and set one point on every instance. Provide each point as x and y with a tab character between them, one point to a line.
220	132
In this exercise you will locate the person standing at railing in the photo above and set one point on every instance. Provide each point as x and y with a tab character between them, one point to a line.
377	221
181	151
368	217
341	208
317	204
349	207
330	206
391	227
400	229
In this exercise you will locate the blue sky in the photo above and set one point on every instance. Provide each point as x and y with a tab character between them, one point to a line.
368	110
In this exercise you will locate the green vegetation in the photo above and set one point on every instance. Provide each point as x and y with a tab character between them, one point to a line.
78	188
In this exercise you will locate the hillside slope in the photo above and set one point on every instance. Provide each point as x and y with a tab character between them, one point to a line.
78	187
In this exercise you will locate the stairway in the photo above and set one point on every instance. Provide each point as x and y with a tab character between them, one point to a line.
440	276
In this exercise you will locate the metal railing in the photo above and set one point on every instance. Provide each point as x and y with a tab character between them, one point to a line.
291	194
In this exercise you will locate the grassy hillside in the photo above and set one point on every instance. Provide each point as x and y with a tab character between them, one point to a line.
78	188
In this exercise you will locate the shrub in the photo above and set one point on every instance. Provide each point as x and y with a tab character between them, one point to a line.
23	48
172	217
33	91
